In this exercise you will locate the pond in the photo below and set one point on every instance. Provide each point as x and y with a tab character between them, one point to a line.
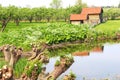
95	66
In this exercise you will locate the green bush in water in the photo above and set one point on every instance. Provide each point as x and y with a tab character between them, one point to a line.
71	74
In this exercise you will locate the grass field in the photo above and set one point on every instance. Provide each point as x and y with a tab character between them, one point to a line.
52	33
12	25
27	32
109	26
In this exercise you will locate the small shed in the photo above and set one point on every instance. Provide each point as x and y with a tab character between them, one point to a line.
91	16
78	18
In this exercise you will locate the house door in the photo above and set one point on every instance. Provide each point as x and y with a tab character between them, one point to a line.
81	21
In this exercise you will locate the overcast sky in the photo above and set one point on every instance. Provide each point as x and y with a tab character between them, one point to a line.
65	3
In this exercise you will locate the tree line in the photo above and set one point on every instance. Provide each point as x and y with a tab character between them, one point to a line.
111	13
54	13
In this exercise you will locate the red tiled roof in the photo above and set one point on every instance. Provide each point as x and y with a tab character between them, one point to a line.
78	17
96	10
85	12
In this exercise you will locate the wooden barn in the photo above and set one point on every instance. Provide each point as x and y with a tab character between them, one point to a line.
91	16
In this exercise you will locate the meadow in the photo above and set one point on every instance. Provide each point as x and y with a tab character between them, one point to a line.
54	33
109	26
49	33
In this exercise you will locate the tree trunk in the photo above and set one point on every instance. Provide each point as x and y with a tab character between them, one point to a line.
65	19
30	20
65	63
6	51
4	23
17	22
6	73
48	19
11	53
35	52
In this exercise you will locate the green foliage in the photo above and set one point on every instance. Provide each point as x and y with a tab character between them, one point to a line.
54	33
2	63
72	75
51	34
109	27
1	54
56	4
111	13
30	67
57	33
19	67
57	63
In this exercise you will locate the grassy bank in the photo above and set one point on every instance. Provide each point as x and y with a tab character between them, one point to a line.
54	33
109	26
50	33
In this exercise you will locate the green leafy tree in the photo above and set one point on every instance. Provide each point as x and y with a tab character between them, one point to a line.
76	9
6	13
49	13
111	13
27	14
36	14
39	13
56	4
80	3
17	15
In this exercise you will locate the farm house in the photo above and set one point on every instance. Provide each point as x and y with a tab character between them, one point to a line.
91	16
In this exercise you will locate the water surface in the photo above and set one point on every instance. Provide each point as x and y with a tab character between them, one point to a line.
97	65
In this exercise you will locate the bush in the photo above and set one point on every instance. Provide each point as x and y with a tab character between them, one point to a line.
57	63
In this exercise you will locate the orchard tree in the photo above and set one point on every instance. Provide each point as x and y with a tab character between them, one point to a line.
76	9
24	13
17	16
27	14
30	15
80	3
36	14
111	13
56	4
66	14
39	13
49	13
6	13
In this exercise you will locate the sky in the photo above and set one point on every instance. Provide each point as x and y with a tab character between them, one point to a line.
65	3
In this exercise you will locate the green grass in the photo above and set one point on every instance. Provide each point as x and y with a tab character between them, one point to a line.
2	63
53	33
1	54
12	26
50	33
19	67
109	26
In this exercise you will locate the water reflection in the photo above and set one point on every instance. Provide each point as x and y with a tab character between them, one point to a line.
94	65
